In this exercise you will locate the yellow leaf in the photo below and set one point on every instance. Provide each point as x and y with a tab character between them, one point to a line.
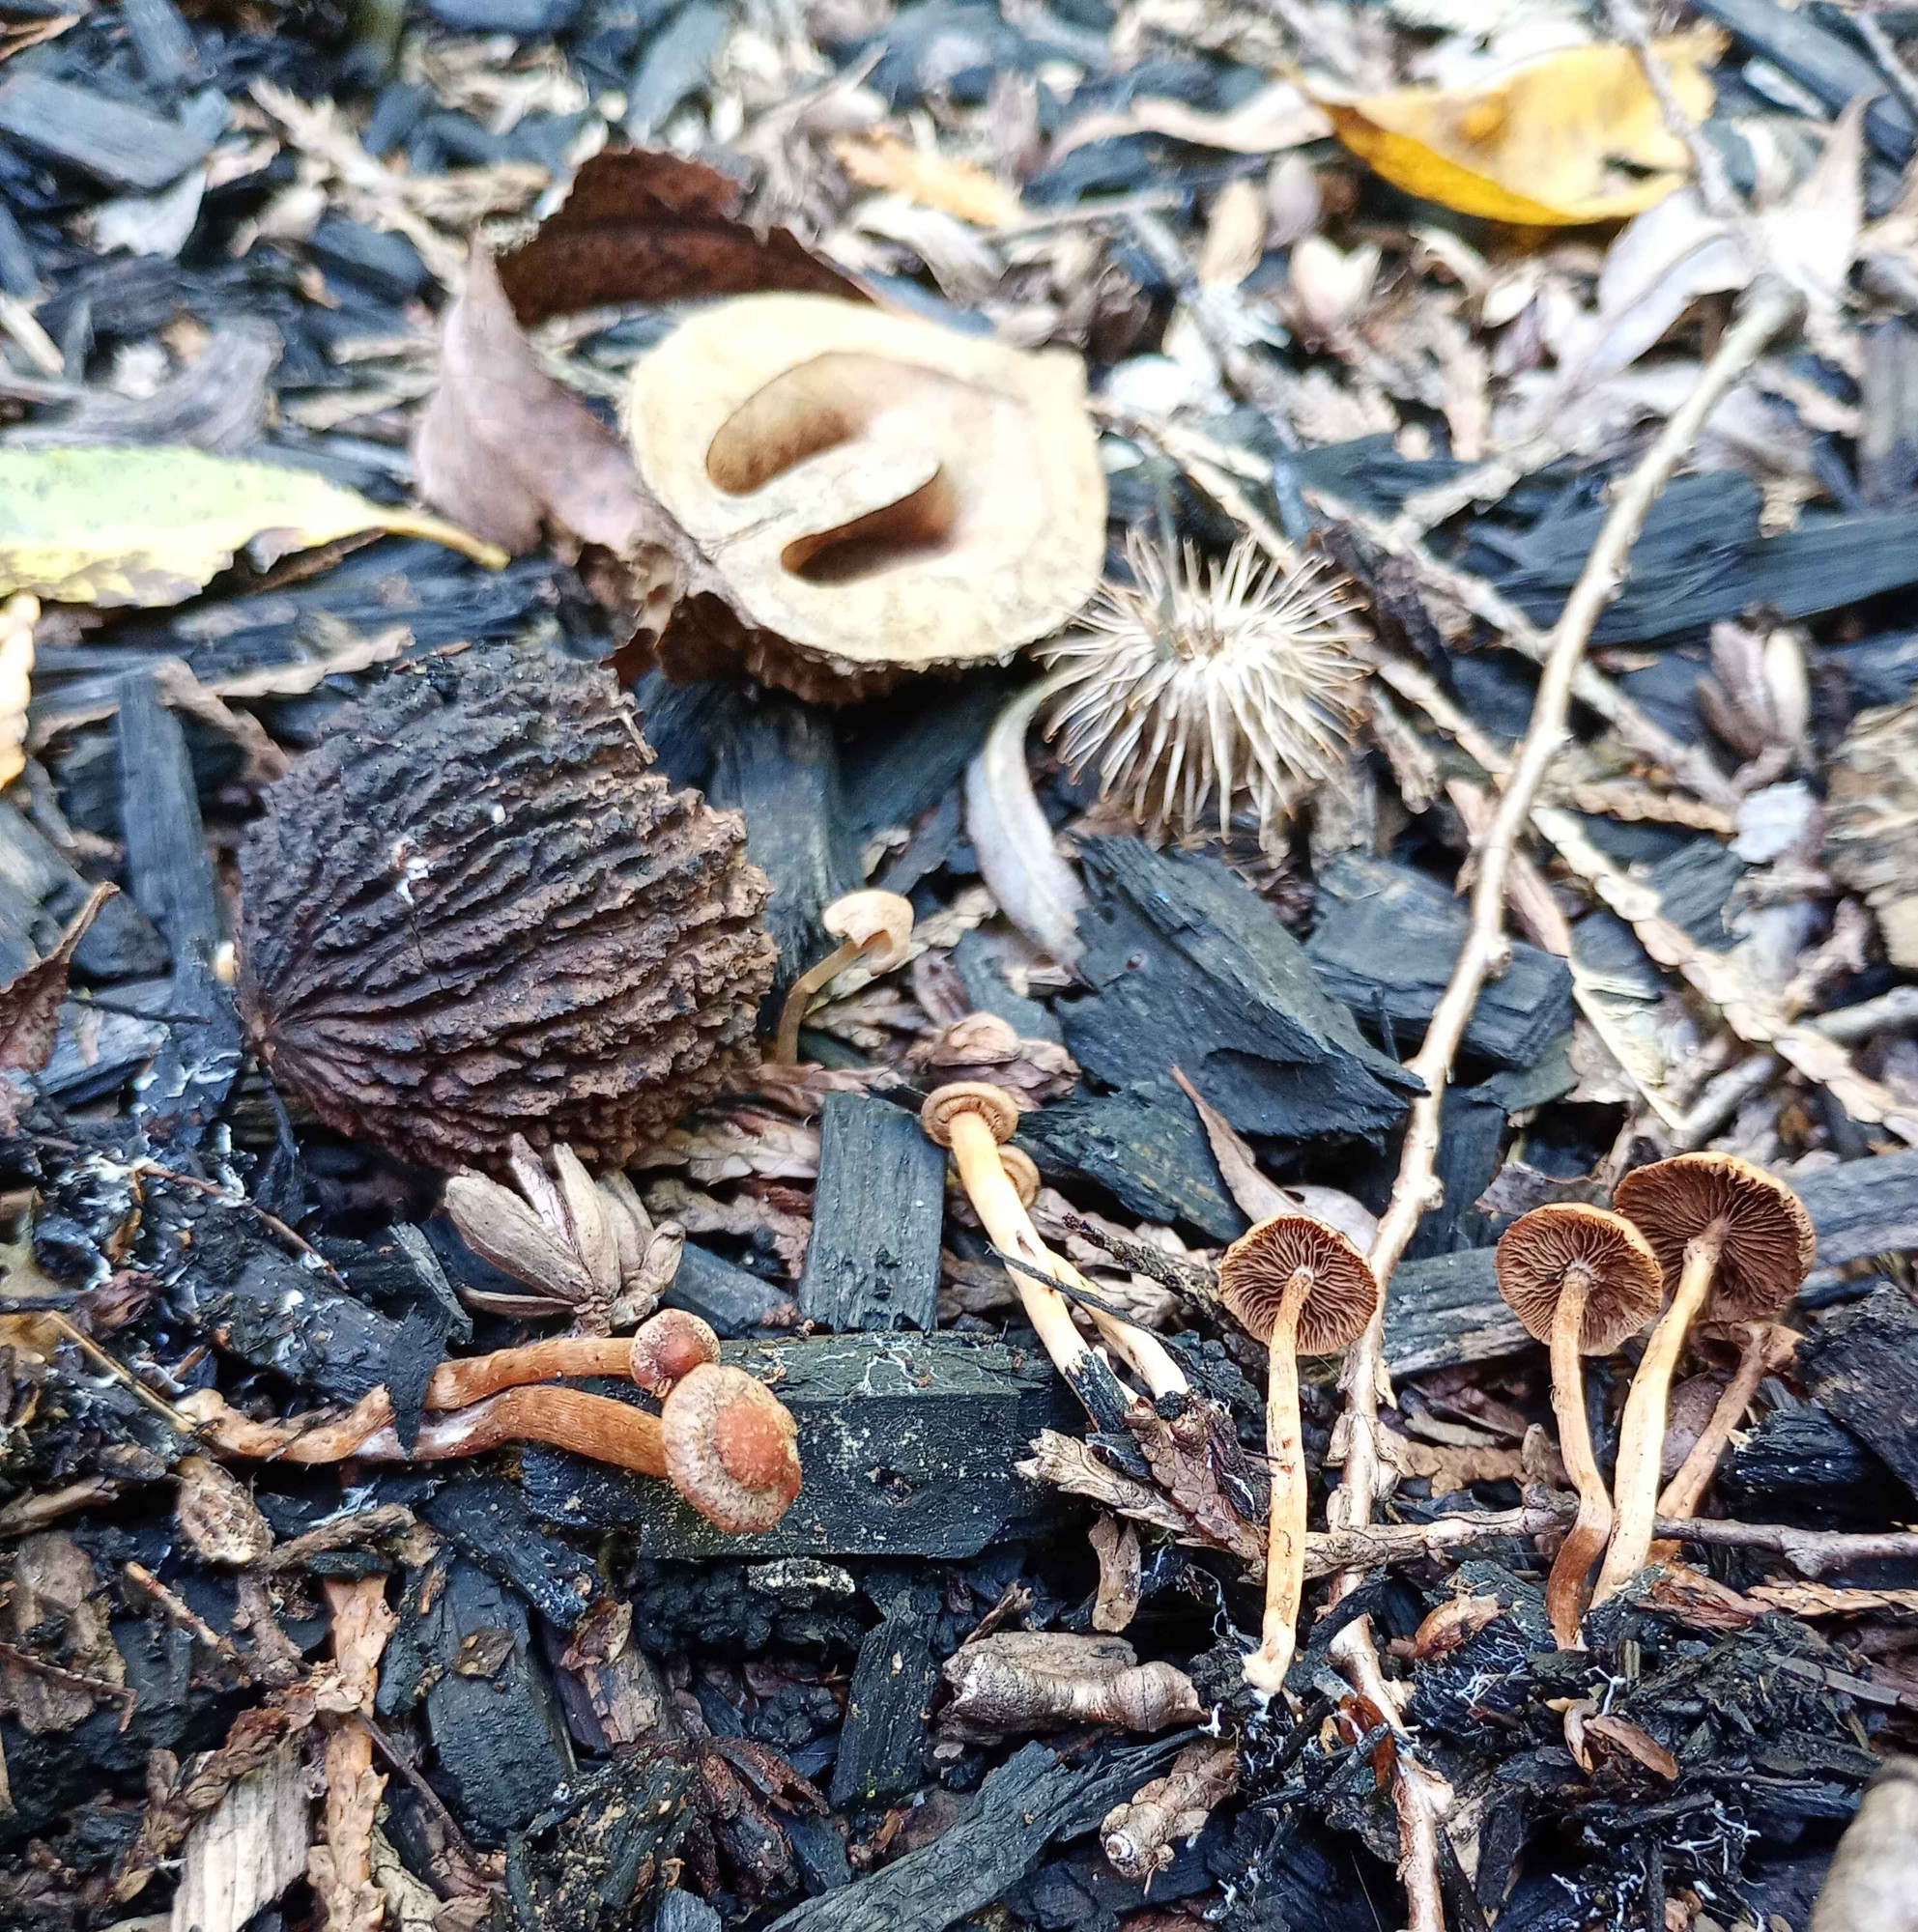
17	617
149	526
1574	137
963	188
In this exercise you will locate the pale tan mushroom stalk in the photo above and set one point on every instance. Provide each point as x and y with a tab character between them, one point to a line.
1582	1280
972	1118
1300	1287
1735	1240
874	930
1764	1347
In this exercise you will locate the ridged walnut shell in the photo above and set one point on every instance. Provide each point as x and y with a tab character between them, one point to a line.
476	912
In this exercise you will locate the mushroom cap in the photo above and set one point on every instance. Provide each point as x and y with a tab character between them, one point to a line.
1253	1272
1537	1251
1770	1241
1022	1171
998	1109
878	923
667	1346
730	1448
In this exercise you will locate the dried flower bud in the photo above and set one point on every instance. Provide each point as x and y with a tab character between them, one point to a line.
217	1517
588	1249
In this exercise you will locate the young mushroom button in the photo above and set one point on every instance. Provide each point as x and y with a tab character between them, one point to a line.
874	928
1739	1243
1582	1280
1301	1289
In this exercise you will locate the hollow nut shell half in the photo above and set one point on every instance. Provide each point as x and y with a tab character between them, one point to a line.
856	497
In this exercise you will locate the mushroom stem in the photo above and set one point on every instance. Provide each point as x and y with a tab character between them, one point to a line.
1285	1532
473	1377
1642	1432
1014	1233
1684	1491
1564	1588
786	1049
1007	1225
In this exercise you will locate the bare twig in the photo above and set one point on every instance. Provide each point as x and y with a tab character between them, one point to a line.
1714	185
1891	63
1772	307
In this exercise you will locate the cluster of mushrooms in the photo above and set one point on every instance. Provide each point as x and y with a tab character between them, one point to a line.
1728	1241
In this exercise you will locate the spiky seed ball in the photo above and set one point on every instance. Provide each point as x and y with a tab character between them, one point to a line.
476	912
1210	682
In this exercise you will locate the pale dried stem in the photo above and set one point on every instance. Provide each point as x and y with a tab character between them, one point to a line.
1642	1431
1564	1588
1748	1010
1009	1227
1688	764
1686	1490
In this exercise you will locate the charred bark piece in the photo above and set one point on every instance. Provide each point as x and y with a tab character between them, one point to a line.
731	1299
1189	968
1025	1805
881	1749
40	891
873	1259
490	1713
475	911
1384	940
1863	1368
776	762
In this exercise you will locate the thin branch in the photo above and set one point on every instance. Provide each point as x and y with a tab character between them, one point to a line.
1772	307
1714	185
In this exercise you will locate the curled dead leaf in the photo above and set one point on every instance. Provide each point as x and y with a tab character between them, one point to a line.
1575	137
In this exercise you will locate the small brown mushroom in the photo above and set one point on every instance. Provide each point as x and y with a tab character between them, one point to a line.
973	1118
1728	1236
668	1348
663	1350
729	1449
1301	1289
723	1440
873	928
1580	1279
854	497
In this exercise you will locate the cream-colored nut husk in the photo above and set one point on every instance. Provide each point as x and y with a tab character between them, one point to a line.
857	497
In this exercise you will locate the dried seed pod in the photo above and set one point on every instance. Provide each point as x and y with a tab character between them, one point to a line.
854	496
474	912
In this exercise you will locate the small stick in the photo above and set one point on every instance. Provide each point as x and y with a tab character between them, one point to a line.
1772	307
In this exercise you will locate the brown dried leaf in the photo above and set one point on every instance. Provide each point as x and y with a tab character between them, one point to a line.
1625	1738
30	1009
1116	1544
647	225
505	450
